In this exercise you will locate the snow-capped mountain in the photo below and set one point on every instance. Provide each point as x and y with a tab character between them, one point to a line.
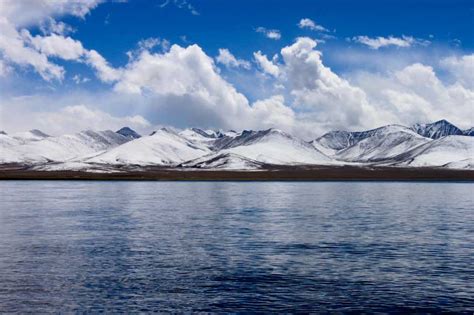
274	146
391	145
128	133
162	147
450	151
199	136
28	136
383	143
438	129
62	148
334	141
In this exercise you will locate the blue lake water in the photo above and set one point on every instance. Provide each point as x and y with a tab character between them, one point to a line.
70	246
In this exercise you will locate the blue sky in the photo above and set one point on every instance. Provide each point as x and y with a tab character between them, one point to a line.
115	27
365	44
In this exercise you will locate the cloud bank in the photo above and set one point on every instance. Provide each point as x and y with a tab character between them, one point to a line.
184	86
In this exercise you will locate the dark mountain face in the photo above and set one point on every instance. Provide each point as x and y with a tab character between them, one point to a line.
469	132
128	132
39	133
436	130
203	133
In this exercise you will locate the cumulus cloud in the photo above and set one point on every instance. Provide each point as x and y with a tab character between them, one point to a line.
326	98
15	50
310	24
273	113
380	41
269	33
461	68
226	58
104	71
56	46
182	86
416	94
265	64
19	47
187	78
27	13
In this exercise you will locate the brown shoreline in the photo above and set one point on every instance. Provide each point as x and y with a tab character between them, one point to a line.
306	173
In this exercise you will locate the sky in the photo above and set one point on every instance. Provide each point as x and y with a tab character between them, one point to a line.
305	67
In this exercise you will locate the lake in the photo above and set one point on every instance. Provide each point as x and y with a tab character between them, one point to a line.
113	246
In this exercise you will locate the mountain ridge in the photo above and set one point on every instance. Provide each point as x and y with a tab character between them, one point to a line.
439	144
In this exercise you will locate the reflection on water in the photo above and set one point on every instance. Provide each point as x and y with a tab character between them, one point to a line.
222	246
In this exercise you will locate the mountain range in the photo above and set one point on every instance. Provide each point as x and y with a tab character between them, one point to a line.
439	144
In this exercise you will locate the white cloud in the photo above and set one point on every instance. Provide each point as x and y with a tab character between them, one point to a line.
56	46
78	79
273	113
461	68
152	42
324	97
104	71
18	46
310	24
80	117
51	26
4	69
269	33
265	64
24	113
186	80
182	4
182	85
416	94
378	42
226	58
33	12
148	44
15	50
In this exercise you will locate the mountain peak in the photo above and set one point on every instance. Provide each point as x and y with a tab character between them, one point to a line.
128	132
438	129
442	122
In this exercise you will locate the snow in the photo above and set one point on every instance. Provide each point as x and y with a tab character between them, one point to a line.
8	154
64	147
462	164
451	151
391	145
162	147
75	166
385	143
199	136
324	149
227	161
28	136
276	147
